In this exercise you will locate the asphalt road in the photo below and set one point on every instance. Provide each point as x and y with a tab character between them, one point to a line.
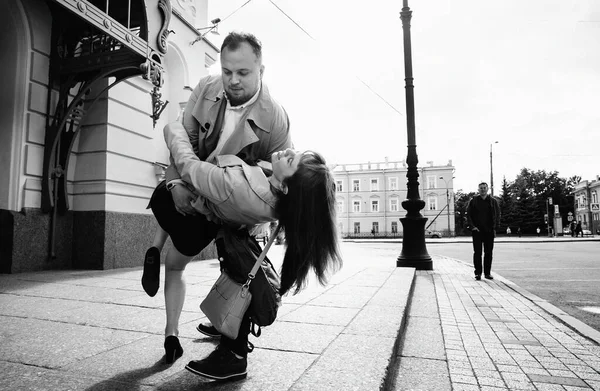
566	274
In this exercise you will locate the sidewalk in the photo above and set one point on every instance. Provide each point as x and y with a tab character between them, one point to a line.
465	334
498	239
373	327
98	330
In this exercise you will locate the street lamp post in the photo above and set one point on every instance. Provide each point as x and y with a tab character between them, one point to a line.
414	253
491	169
447	204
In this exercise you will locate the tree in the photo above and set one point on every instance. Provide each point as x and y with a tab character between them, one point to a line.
507	208
532	189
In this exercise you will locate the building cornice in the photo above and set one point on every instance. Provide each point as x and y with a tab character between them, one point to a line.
194	30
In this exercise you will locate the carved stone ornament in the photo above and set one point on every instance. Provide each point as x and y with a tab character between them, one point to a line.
188	6
165	8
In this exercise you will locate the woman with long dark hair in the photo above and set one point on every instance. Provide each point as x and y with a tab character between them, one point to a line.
300	193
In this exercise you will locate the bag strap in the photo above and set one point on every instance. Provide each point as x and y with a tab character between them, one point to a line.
262	256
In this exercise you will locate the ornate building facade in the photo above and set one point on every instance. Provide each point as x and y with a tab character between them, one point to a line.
369	198
86	89
587	204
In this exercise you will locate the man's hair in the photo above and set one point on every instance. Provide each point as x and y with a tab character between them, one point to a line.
482	183
307	215
233	40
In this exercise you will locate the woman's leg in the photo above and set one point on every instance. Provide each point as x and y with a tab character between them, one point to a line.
160	237
175	289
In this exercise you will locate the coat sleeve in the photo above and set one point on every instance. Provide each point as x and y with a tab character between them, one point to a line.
209	180
190	125
281	138
470	214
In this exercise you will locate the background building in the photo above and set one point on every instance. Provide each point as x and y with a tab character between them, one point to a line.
81	141
369	198
587	204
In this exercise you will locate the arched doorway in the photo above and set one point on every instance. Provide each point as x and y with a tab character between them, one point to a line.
16	42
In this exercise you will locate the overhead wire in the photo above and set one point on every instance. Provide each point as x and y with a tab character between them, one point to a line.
359	79
236	10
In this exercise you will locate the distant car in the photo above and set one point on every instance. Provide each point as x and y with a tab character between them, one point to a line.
432	234
586	232
566	231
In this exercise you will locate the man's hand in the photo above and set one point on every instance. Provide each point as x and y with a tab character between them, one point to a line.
183	198
475	229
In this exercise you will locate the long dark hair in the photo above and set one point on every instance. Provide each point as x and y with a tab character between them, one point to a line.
307	215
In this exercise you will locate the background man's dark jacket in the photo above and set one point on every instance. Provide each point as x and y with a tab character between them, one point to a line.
476	204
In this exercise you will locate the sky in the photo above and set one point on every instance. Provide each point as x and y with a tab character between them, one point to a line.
523	73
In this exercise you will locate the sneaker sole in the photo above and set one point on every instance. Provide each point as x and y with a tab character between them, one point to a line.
235	376
207	334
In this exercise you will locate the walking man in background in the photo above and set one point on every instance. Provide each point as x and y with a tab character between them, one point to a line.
483	215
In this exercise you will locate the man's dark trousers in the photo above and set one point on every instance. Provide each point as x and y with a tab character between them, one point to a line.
485	240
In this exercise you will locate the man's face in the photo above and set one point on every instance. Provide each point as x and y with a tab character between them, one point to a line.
483	189
241	72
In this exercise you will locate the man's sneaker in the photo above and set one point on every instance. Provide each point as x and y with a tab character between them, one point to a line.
478	277
489	277
221	364
209	330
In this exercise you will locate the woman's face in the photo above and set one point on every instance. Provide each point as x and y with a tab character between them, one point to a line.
285	163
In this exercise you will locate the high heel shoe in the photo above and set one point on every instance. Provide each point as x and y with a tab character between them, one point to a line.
151	274
173	349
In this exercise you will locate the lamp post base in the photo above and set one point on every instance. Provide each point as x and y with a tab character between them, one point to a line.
414	252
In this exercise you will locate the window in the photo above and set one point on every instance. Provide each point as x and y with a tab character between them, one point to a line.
393	182
374	205
338	186
394	227
394	204
431	181
356	206
357	228
375	229
432	203
374	184
594	197
340	206
356	185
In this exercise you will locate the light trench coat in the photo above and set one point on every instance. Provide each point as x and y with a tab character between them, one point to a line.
229	191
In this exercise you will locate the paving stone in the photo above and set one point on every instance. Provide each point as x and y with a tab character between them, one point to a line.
490	381
321	315
411	375
464	387
535	370
561	373
378	321
53	344
568	381
548	387
340	368
307	338
463	379
36	307
423	338
16	376
344	301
